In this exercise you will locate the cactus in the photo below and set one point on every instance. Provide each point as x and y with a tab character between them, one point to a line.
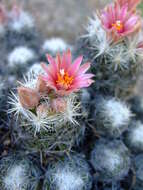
116	59
19	59
21	29
69	173
55	45
49	115
52	113
136	104
133	137
111	160
112	116
19	173
138	162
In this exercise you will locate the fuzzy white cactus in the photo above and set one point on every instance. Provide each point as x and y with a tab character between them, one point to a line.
97	36
20	56
111	160
134	137
112	116
18	173
70	174
64	179
55	45
16	178
35	69
21	21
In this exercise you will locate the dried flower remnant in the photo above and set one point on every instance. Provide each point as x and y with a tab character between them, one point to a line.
29	98
65	77
41	86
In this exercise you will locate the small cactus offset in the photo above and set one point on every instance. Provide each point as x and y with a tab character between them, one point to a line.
112	116
21	29
19	59
138	162
48	107
70	173
55	45
111	160
18	173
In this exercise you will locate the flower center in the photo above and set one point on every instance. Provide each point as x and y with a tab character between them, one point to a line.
64	79
118	25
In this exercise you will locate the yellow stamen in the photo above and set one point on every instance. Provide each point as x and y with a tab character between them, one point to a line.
64	79
118	25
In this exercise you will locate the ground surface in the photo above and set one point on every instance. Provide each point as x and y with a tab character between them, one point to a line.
64	18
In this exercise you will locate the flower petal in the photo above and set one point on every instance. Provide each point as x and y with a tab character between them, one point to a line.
75	66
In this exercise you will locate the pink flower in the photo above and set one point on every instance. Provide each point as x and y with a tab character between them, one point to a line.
66	77
3	15
132	4
119	21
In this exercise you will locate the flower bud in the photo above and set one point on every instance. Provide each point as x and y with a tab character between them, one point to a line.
41	86
59	105
29	98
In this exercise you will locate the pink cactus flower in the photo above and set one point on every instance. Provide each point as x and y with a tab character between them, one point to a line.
119	21
3	14
132	4
65	77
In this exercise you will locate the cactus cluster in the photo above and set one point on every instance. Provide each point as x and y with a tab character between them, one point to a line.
68	125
